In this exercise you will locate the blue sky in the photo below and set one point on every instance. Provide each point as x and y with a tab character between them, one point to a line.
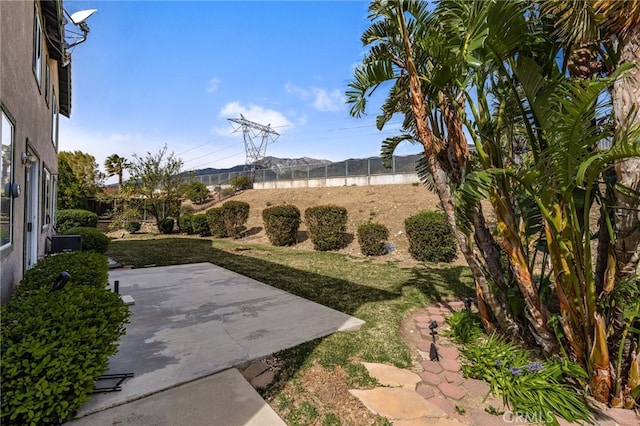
172	72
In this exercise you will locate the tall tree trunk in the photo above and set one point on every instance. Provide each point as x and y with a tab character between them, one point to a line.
626	98
432	147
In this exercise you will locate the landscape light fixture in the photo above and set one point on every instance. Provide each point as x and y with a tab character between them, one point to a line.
79	18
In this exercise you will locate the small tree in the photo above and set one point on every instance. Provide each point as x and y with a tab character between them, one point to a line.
196	191
156	180
115	165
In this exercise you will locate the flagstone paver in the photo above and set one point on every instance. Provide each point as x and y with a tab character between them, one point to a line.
439	395
450	364
432	366
427	422
431	378
397	403
454	378
451	391
389	375
449	352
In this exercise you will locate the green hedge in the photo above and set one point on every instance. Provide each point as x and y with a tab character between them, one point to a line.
92	239
86	268
74	218
431	238
281	224
372	237
235	215
215	220
132	226
327	226
55	344
165	226
200	225
184	224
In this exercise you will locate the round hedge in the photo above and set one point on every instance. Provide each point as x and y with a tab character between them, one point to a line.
431	238
75	218
327	226
281	224
92	239
372	237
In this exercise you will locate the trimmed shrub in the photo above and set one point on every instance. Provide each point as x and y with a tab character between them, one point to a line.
228	191
55	344
281	224
185	224
235	215
132	227
85	268
241	182
92	239
75	218
199	225
216	222
372	237
327	226
165	226
431	238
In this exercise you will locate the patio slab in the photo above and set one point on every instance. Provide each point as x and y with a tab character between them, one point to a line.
191	321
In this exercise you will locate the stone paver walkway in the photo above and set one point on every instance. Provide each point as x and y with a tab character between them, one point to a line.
437	393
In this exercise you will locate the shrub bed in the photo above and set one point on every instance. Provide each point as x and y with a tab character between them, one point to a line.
92	239
235	215
372	237
165	226
84	267
326	226
185	224
132	226
74	218
199	225
55	344
431	238
281	224
216	222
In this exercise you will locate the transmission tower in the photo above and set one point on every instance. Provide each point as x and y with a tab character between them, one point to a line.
253	132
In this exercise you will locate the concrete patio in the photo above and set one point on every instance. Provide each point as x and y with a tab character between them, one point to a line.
190	322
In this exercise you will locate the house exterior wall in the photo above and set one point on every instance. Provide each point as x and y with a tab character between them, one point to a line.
23	100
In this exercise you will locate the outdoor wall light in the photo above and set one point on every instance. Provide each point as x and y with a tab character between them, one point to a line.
27	159
12	189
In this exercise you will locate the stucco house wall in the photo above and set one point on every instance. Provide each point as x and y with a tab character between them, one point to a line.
32	108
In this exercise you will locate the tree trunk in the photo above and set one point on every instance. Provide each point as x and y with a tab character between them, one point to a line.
626	98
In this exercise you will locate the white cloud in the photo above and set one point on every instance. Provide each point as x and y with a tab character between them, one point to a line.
278	121
320	99
213	85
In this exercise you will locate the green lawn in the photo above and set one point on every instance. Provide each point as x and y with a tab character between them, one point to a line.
379	293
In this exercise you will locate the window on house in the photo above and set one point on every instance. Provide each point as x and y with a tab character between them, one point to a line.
46	198
37	46
54	122
6	200
47	82
54	199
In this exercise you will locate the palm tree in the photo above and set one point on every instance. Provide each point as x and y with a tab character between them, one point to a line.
502	58
115	165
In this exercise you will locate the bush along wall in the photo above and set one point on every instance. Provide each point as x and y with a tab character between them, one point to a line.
132	226
74	218
92	239
56	343
431	238
327	227
281	224
372	237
